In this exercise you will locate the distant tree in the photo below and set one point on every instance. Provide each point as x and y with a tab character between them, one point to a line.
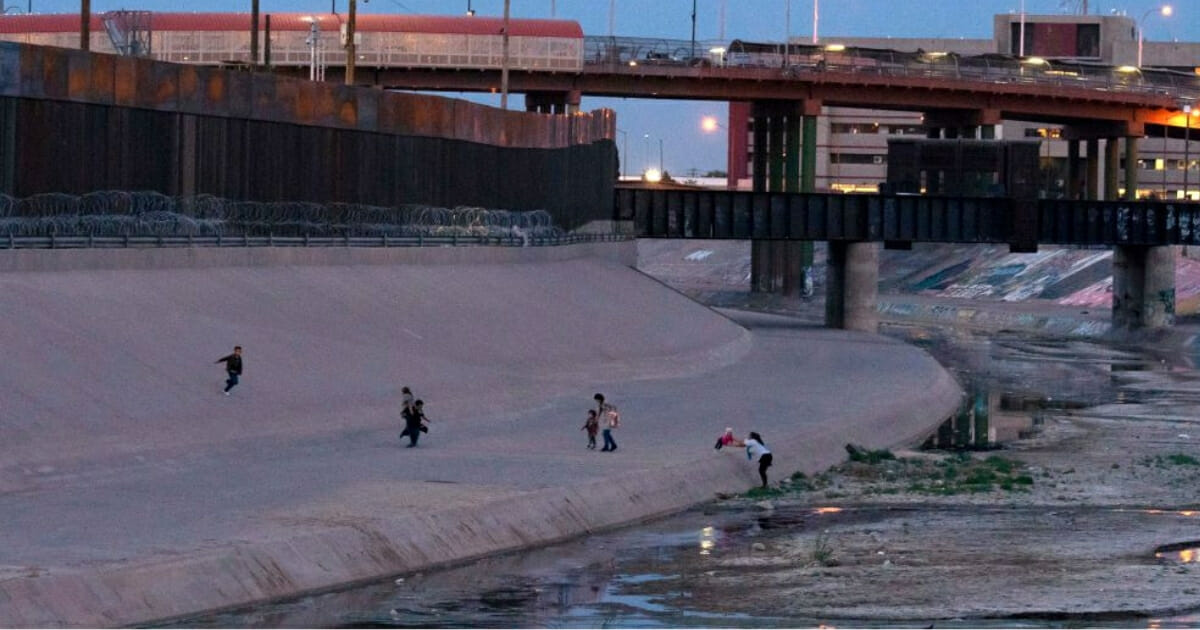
716	174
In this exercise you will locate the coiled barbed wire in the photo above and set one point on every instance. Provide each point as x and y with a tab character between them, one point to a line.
148	213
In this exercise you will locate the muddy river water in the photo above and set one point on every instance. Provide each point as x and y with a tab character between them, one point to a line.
720	565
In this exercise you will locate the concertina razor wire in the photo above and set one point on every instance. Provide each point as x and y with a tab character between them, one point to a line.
122	213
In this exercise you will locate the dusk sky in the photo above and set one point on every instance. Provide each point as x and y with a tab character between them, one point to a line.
685	146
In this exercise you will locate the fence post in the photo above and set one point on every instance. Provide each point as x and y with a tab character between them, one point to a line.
245	240
385	240
52	240
270	239
454	239
306	239
126	241
218	239
346	236
90	243
420	240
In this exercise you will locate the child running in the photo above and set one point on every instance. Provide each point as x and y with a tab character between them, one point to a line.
592	426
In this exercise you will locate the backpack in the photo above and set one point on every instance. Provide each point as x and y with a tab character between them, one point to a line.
614	418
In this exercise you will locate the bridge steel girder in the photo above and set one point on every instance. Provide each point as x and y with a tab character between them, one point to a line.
1013	101
1023	224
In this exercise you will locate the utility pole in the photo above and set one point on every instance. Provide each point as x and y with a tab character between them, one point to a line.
351	53
504	60
85	25
254	34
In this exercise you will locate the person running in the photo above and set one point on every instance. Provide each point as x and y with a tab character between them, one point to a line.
233	368
414	420
755	446
611	420
406	399
592	426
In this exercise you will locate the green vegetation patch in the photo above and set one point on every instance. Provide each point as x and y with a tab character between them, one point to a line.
960	473
1175	459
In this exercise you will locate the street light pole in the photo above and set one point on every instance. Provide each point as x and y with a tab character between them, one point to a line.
1021	49
1166	10
787	34
1187	140
693	31
660	155
816	18
646	152
624	152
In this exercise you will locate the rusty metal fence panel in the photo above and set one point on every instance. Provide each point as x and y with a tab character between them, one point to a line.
77	148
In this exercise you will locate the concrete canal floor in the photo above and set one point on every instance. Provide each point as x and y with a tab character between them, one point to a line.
132	491
1087	515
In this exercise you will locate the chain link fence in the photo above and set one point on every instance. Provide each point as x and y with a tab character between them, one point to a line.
121	213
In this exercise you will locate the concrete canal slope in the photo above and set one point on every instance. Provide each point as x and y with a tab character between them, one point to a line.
131	490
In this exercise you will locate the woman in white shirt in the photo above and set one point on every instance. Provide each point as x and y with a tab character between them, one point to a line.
756	447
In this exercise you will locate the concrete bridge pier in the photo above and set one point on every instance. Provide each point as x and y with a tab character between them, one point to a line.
1093	169
784	160
1112	169
1143	293
852	286
1073	163
1110	156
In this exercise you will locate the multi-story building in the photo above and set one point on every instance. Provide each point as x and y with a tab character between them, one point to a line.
852	143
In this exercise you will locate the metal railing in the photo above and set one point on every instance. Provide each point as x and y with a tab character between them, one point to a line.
89	241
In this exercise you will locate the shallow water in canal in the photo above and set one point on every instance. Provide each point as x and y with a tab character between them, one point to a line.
639	576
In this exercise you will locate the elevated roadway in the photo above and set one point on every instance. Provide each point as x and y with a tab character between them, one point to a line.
992	98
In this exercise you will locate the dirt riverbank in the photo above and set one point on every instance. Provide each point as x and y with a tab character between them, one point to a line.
1094	515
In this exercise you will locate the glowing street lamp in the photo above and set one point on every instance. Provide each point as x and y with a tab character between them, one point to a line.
652	175
710	124
1165	10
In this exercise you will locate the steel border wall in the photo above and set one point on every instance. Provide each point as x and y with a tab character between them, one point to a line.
74	122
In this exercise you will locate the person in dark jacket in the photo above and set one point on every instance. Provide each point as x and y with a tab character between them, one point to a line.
414	422
233	368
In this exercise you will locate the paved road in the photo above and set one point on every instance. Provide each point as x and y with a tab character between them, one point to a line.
286	487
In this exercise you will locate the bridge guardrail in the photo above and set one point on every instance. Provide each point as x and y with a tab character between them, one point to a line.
85	241
800	60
